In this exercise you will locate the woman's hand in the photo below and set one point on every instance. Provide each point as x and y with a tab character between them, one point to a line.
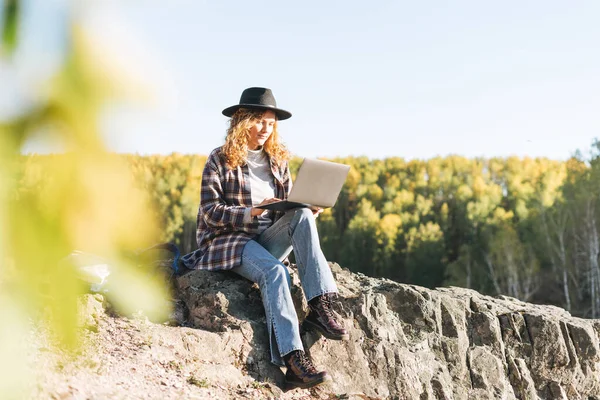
316	211
255	212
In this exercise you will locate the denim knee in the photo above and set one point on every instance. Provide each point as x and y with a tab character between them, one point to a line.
303	213
278	272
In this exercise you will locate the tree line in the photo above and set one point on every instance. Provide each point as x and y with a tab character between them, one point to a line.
523	227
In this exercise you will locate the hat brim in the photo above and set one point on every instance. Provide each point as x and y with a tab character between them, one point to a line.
281	114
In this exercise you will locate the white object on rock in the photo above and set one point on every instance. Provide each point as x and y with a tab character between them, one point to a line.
91	268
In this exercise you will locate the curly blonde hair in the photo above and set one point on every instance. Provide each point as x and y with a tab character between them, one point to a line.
235	148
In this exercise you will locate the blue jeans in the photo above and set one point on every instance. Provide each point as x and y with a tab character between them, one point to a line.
261	263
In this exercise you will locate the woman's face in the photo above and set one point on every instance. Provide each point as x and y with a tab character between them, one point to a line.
261	129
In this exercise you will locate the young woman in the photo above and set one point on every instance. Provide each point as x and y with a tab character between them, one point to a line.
251	169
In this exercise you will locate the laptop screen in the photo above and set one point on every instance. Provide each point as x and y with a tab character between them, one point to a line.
319	182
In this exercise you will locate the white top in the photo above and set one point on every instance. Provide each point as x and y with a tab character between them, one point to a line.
262	184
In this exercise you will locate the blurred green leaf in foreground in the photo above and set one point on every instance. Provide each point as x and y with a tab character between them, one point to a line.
86	202
10	24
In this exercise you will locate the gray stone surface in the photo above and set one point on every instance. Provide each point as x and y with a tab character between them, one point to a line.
408	342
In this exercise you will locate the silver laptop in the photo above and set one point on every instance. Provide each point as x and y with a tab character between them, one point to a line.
318	184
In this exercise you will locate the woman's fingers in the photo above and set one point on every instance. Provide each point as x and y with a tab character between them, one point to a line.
259	211
269	201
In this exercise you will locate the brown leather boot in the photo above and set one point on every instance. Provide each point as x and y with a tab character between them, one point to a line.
301	372
322	318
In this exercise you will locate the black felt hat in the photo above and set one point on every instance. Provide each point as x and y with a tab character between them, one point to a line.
257	98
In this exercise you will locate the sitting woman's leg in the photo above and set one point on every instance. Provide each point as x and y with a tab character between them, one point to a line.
258	265
298	229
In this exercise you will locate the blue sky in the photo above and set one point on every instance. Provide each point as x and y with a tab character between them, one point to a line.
385	78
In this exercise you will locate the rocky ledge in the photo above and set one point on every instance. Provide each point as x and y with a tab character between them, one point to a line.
406	342
409	342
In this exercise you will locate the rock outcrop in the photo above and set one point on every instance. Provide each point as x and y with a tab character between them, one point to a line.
408	342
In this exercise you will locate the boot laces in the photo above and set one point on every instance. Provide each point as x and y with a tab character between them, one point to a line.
305	363
327	306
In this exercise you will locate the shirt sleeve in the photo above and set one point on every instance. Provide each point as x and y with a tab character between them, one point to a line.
248	215
215	211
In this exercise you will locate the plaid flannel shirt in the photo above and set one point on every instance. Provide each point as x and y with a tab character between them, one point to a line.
224	196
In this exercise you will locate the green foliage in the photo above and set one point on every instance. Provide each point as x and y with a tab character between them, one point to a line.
500	226
50	206
474	223
10	24
494	225
360	239
424	254
173	186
